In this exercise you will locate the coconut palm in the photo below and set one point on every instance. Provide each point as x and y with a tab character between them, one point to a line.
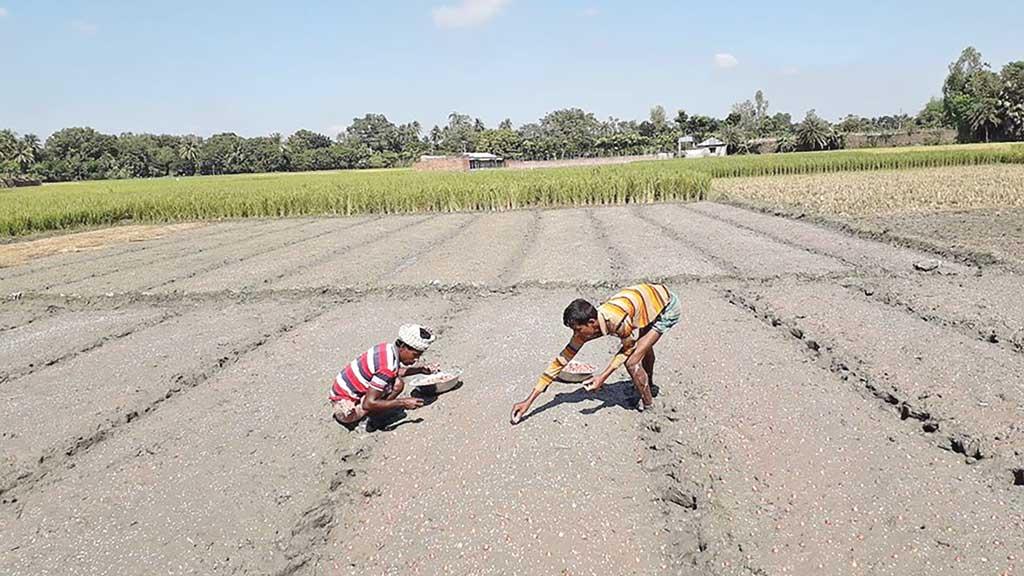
188	151
32	141
8	144
24	156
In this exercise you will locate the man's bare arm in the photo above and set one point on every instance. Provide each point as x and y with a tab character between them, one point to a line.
375	402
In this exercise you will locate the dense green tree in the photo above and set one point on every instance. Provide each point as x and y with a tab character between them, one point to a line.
221	154
503	142
659	118
760	107
682	120
410	145
373	131
569	133
459	135
853	123
260	154
778	125
1011	100
973	97
933	115
700	127
79	154
351	155
303	140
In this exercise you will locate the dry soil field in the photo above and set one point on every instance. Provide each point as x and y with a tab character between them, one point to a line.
828	405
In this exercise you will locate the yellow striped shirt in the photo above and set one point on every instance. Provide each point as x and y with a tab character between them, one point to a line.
632	308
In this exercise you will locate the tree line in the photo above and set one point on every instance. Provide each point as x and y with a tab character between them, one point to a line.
979	103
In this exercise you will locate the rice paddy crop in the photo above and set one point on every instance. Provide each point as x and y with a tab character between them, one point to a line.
856	160
71	205
881	193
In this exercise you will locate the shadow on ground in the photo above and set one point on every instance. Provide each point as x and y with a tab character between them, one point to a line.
620	394
396	418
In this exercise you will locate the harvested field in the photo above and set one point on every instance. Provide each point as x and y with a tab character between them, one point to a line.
20	252
971	213
829	403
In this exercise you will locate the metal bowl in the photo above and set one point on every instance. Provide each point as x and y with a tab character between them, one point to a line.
439	383
576	372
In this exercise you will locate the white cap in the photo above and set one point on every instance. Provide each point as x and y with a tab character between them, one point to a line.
410	334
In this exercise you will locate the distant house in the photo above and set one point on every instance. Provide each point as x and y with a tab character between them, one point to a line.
462	162
714	147
710	147
684	144
480	160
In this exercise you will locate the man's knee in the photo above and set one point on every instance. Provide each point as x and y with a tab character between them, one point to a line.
633	364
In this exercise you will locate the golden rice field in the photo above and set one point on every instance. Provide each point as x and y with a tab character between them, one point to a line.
79	204
882	193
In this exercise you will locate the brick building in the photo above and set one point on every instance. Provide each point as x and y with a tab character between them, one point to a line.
462	162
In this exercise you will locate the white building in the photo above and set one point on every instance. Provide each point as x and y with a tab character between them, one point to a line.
684	144
711	147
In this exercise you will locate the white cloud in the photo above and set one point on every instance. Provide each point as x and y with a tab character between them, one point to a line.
3	11
591	12
83	27
467	13
725	60
790	71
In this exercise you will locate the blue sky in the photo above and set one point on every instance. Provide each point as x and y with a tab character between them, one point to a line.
256	67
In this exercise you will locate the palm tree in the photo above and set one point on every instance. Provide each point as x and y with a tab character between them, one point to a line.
786	143
24	156
734	138
456	120
814	133
188	151
983	114
32	141
435	138
8	144
24	153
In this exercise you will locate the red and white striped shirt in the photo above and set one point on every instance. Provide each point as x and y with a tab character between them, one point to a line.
376	368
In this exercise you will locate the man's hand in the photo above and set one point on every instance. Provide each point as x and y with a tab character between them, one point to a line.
595	383
519	410
410	403
433	368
